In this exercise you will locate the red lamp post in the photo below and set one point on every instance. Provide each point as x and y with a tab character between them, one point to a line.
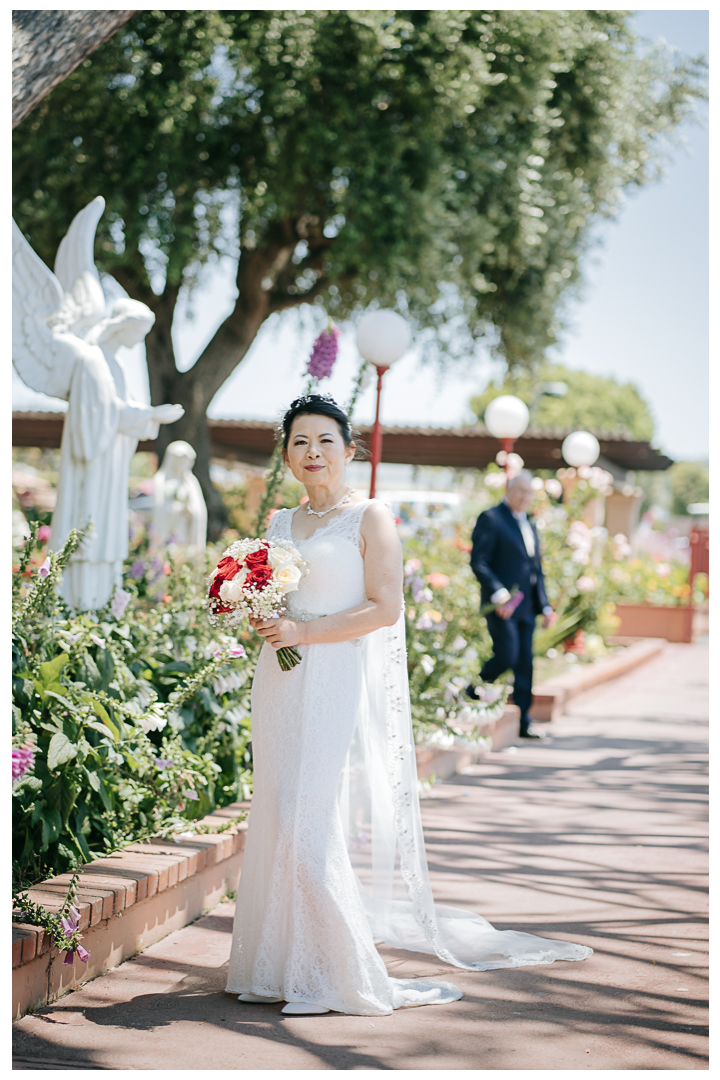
382	338
376	437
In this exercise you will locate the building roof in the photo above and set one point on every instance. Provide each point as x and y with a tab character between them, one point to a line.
459	447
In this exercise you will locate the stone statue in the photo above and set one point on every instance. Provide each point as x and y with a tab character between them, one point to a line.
102	424
179	511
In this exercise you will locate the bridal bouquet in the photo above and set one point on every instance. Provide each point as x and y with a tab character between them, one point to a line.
252	578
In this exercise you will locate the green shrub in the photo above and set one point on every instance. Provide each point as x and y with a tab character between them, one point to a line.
137	715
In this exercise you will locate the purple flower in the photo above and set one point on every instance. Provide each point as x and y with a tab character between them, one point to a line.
324	354
100	642
238	650
191	795
120	601
163	763
82	954
137	570
69	957
217	654
69	926
424	623
75	914
45	568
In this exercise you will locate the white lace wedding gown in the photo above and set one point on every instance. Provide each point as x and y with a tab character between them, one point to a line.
334	859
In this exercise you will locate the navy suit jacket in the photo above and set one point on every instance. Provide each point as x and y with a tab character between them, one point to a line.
499	559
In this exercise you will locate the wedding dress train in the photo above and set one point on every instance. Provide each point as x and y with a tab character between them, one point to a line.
335	860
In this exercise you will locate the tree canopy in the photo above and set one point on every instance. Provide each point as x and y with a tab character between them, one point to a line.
448	163
592	402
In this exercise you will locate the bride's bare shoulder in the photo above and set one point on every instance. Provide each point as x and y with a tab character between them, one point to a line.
378	519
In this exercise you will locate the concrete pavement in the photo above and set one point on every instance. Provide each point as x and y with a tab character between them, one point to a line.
596	835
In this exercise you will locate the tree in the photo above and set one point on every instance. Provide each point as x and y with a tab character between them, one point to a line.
446	162
689	483
48	45
593	402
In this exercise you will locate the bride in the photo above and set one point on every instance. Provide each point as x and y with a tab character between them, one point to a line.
335	859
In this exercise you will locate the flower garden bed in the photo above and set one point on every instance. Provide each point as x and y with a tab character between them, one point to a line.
126	902
655	621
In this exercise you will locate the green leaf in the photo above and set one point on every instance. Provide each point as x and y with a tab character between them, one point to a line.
49	675
60	750
51	827
106	668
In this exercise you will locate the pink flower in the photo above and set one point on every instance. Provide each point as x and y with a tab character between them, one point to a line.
44	532
100	642
412	566
237	651
439	581
23	759
45	568
82	954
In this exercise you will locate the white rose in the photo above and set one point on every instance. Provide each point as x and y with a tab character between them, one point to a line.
278	557
287	578
231	591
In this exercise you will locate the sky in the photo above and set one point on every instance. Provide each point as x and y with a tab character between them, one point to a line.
642	315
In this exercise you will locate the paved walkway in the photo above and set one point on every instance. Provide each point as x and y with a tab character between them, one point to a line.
596	835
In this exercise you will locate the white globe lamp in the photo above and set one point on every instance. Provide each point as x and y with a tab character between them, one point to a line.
580	448
382	337
507	418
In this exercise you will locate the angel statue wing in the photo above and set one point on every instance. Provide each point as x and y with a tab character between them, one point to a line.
45	348
76	271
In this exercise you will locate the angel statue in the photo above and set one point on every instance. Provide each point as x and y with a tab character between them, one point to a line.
179	510
51	313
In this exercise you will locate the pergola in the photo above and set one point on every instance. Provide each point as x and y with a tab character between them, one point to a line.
471	447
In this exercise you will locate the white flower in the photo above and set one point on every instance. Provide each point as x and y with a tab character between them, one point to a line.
427	663
231	591
287	578
280	556
585	584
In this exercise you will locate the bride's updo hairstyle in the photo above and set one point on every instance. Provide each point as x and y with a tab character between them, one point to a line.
318	405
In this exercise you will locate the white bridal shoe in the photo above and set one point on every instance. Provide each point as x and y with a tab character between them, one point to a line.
257	999
303	1008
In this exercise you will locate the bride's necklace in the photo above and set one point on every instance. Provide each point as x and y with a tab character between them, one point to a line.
322	513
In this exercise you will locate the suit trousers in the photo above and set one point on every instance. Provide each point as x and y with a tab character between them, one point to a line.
512	650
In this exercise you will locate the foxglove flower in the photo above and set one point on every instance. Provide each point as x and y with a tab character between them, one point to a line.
324	354
23	759
120	601
45	568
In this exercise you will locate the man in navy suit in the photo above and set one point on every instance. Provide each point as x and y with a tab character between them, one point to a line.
506	556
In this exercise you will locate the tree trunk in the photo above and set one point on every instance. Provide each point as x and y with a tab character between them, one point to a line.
48	45
195	389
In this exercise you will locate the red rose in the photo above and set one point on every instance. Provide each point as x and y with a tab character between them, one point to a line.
227	568
256	558
258	577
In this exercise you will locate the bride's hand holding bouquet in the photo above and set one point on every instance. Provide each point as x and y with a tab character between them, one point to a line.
251	582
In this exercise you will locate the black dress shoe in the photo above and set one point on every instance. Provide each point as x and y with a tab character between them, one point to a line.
532	734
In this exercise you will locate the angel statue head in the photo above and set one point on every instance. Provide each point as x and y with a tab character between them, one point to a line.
128	324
